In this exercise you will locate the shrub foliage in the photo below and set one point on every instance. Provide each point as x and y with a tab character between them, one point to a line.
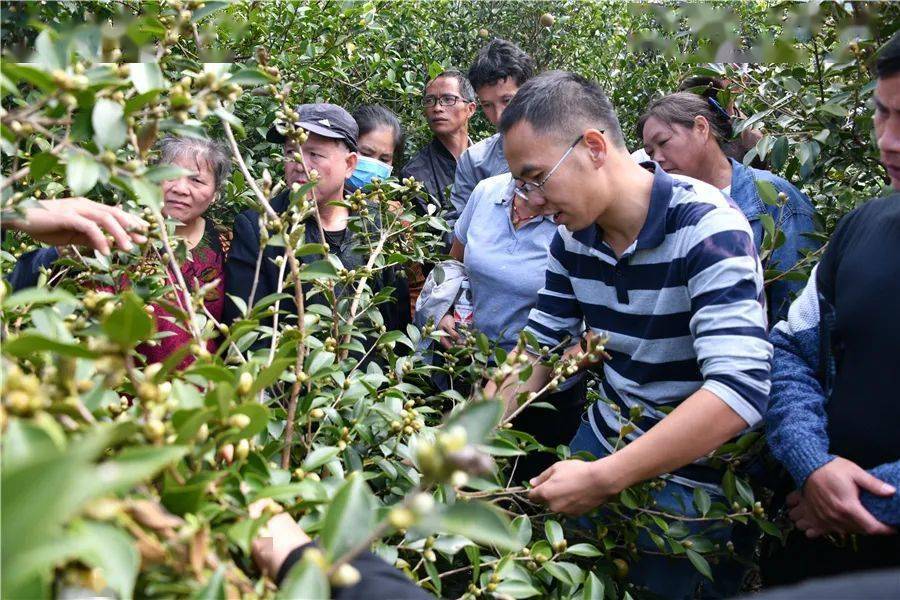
137	477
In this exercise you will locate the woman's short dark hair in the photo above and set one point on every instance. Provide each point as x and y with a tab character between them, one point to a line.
373	116
682	108
498	60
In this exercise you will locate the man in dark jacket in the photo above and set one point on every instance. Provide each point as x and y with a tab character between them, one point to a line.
448	103
331	150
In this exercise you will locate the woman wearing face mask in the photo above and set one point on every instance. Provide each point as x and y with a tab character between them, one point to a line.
687	134
380	138
206	166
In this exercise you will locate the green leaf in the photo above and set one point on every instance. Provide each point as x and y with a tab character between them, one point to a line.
593	588
521	526
270	374
350	517
588	550
250	77
41	164
478	419
768	224
129	323
568	573
514	588
554	532
767	192
701	501
82	173
481	523
37	297
51	54
304	580
108	119
319	457
699	563
214	588
259	418
29	343
319	270
110	549
161	173
146	77
132	466
146	193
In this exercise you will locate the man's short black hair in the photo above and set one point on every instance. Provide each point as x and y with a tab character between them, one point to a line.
565	104
498	60
888	61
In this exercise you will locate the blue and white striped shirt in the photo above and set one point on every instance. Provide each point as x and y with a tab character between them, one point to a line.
683	308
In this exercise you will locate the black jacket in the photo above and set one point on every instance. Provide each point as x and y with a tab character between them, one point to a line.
241	264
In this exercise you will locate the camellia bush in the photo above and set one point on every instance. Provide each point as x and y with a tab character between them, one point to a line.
130	479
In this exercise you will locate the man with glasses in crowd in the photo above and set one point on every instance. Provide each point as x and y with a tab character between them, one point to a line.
449	103
496	75
665	268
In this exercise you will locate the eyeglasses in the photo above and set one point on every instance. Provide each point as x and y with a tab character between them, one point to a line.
445	100
523	191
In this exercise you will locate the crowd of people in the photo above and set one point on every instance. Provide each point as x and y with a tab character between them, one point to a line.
560	231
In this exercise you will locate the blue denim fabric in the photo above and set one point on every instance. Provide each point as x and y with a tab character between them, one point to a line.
28	268
794	219
675	577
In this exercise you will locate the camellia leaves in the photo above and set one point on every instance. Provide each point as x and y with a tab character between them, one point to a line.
350	517
478	419
699	562
146	76
480	523
129	323
108	119
82	172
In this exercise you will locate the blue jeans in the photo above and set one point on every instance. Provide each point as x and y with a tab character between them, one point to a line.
676	577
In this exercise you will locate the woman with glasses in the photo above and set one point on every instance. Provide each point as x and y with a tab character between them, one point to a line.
503	244
687	134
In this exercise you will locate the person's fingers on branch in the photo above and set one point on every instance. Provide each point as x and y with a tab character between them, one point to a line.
448	326
135	226
86	232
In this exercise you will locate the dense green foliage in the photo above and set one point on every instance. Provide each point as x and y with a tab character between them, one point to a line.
150	497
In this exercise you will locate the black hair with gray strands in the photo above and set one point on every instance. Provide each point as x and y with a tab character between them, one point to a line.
465	87
498	60
682	108
564	104
371	117
214	153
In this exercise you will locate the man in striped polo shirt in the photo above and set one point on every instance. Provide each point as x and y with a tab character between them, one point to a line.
665	267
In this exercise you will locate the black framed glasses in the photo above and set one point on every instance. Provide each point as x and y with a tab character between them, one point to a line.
528	187
445	100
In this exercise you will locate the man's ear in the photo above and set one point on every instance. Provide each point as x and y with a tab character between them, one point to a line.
352	159
597	145
471	107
